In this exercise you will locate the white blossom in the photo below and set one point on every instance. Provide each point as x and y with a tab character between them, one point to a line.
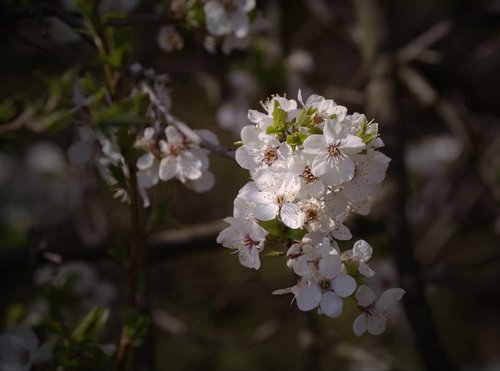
332	154
20	349
375	313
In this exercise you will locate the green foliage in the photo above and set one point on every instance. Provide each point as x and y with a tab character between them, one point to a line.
279	230
136	325
91	325
80	348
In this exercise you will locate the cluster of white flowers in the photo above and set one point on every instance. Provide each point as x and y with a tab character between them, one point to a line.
174	156
311	167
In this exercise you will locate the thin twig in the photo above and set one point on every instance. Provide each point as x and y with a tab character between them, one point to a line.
419	45
146	77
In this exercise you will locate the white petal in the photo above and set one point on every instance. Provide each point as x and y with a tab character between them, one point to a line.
287	290
308	297
145	161
365	296
330	266
240	24
389	298
331	304
168	166
188	167
359	325
173	135
315	145
376	323
292	216
265	211
216	18
365	270
362	250
344	285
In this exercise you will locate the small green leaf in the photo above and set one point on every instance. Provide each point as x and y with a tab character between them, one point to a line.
315	130
279	117
295	234
136	325
275	253
274	227
91	325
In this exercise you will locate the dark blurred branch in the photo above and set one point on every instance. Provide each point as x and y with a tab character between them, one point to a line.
382	103
419	45
158	249
47	10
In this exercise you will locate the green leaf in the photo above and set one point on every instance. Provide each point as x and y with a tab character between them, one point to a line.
275	253
305	118
277	229
315	130
91	325
279	117
136	325
296	138
274	227
295	234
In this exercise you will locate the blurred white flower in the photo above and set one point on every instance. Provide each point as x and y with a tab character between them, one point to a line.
20	349
45	157
224	17
169	39
432	154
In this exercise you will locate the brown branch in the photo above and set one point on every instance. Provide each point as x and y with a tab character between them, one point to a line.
147	76
382	103
48	10
158	249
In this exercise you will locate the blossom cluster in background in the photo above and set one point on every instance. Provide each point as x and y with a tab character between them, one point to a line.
311	167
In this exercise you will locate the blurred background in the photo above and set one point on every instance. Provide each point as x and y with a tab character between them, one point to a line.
61	231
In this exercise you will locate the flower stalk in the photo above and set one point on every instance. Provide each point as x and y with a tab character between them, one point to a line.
135	263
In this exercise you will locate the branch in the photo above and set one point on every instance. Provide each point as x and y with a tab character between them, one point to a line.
382	103
147	77
49	10
158	249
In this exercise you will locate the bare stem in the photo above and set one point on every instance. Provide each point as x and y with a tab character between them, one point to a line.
135	263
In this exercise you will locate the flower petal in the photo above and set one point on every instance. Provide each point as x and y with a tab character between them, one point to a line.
292	216
331	304
344	285
308	297
362	250
376	323
365	296
389	298
359	325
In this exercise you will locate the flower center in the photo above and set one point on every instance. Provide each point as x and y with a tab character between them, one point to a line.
334	150
368	310
325	285
280	200
248	242
269	155
175	150
311	214
308	176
